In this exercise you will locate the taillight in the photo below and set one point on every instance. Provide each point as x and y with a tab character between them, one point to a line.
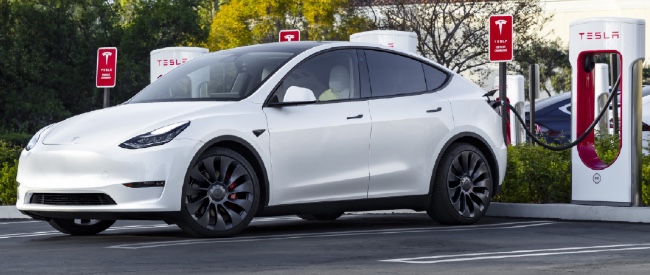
546	131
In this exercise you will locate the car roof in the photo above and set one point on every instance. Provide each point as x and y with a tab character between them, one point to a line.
297	46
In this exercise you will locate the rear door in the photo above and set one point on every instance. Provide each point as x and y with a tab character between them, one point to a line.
409	120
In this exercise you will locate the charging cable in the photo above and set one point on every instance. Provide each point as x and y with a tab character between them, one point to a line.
579	139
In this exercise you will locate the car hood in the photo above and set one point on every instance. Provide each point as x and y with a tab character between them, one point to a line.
120	123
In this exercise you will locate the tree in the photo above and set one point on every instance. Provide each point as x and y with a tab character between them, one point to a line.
47	48
455	34
245	22
149	25
48	51
553	61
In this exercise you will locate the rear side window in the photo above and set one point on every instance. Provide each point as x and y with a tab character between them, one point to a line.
392	74
435	77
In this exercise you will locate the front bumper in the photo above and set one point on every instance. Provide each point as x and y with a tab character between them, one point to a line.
84	169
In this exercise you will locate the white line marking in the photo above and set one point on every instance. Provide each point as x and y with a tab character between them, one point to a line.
519	254
49	233
271	219
127	227
6	223
511	225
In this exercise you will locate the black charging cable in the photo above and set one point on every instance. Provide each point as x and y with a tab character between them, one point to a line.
579	139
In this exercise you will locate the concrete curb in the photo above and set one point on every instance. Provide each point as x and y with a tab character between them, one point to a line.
570	212
10	212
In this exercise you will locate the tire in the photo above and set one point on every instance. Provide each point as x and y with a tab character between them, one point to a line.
462	186
80	226
220	195
321	216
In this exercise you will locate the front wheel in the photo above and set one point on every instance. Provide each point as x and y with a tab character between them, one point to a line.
81	226
220	195
462	186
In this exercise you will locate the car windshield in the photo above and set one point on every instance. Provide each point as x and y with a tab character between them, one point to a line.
229	75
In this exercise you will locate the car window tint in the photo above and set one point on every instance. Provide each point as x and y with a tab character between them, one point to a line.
330	76
434	77
225	75
392	74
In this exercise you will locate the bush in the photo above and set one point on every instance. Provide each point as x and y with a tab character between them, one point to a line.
8	168
8	186
607	147
9	152
16	139
536	175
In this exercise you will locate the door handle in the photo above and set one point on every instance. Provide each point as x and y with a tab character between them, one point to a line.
435	110
355	117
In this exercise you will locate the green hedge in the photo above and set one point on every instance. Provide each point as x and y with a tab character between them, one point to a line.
9	154
16	139
538	175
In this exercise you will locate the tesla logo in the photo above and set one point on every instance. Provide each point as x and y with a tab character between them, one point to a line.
500	23
599	35
107	55
171	62
289	35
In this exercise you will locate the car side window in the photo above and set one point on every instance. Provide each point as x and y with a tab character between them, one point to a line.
330	76
392	74
435	77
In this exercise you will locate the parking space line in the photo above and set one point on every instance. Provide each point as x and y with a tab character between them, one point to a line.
8	223
120	228
519	254
499	226
49	233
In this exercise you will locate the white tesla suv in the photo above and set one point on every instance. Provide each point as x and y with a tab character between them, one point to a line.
306	128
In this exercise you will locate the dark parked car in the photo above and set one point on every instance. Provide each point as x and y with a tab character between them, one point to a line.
553	117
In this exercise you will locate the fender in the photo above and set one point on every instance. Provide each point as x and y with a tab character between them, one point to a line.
264	180
472	138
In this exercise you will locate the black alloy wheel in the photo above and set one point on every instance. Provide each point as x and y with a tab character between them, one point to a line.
462	186
80	226
220	195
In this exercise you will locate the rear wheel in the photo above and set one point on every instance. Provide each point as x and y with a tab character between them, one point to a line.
321	216
81	226
220	195
462	186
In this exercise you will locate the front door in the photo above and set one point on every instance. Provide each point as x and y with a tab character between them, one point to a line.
319	150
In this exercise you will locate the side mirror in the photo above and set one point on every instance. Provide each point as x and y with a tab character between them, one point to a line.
297	94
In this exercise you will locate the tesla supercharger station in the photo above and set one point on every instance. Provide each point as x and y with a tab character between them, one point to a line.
406	41
594	182
166	59
516	96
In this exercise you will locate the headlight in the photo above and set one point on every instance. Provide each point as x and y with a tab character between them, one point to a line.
32	142
156	137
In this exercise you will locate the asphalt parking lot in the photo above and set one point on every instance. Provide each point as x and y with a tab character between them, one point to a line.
354	244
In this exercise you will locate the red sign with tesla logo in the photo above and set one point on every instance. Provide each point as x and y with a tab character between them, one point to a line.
500	38
289	35
106	67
